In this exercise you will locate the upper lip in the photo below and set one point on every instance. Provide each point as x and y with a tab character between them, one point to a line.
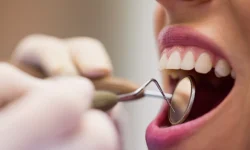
156	136
187	36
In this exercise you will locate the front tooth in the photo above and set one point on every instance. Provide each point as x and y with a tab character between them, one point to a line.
188	61
203	64
163	61
174	61
233	74
222	68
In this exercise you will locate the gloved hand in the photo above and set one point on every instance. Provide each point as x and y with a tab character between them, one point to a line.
55	114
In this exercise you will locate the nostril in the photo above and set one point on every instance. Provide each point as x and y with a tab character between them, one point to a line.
176	5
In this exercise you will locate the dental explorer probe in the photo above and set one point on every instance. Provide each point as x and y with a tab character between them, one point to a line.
180	102
109	86
105	100
111	90
141	91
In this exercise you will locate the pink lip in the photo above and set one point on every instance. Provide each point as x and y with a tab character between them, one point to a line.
186	36
159	137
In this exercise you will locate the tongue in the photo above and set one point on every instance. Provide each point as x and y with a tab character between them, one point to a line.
208	96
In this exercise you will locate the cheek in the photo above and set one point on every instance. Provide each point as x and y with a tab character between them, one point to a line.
159	19
242	11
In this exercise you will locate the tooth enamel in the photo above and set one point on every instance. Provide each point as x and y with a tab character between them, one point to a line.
233	74
163	61
203	64
174	61
188	61
222	68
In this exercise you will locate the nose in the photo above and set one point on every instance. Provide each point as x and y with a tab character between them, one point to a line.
176	2
185	10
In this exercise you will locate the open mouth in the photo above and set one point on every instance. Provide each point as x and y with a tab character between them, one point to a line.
213	81
184	53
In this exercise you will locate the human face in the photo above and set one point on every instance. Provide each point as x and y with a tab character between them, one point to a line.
216	33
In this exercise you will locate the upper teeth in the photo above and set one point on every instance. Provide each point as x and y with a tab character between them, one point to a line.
203	64
233	74
188	61
222	68
174	61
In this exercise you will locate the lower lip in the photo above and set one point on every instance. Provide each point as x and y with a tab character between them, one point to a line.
158	137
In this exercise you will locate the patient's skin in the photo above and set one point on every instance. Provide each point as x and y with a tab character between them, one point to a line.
227	23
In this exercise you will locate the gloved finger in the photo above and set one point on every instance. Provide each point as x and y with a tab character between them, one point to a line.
90	57
14	83
47	53
96	132
46	113
119	116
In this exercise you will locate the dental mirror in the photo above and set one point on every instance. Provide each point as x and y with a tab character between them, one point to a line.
182	101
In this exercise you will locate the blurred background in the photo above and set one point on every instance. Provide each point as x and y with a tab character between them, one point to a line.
125	28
